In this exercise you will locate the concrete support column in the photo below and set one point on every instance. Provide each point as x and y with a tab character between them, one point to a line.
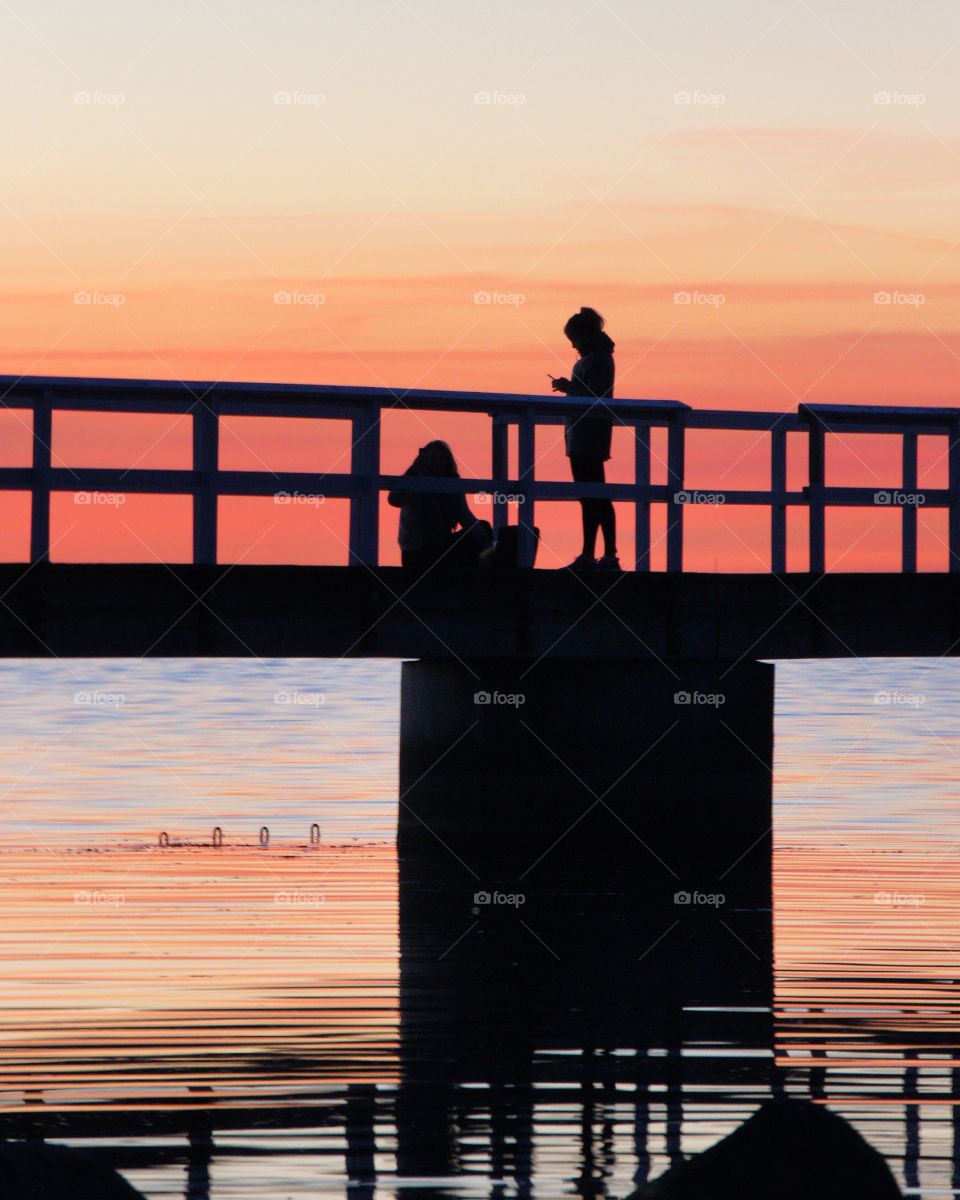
661	773
585	864
584	810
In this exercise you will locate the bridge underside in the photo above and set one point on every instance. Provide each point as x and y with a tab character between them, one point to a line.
113	610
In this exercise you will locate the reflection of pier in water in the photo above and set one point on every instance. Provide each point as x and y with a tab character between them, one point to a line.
562	1013
598	1115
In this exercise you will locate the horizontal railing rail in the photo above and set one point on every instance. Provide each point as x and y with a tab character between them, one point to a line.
207	404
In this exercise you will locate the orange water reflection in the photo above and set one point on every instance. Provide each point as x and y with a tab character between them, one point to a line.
131	974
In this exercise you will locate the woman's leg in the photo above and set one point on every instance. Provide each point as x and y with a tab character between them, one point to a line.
607	518
584	470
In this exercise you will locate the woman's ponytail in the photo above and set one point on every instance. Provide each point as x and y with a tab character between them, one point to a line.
586	323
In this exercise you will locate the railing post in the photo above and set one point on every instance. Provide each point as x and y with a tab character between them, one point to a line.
953	459
206	436
641	456
40	497
526	548
365	504
778	512
499	468
675	469
816	449
908	515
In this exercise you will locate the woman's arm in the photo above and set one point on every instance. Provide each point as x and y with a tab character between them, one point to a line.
465	517
398	497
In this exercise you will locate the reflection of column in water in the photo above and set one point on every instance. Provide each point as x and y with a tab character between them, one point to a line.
609	1111
911	1124
674	1118
585	1183
200	1137
511	1136
818	1075
361	1139
498	1135
595	1169
641	1126
523	1140
426	1141
955	1116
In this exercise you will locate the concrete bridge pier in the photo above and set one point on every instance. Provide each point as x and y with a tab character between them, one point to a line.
585	866
595	836
523	772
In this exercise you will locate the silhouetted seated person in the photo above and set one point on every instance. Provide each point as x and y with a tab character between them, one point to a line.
438	528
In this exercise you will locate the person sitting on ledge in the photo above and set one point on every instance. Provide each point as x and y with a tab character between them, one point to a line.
438	528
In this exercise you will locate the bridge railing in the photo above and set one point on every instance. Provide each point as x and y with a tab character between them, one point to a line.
362	485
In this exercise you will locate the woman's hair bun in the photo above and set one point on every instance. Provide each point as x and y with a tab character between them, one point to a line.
586	321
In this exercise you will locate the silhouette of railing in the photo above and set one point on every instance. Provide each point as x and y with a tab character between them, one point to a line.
363	483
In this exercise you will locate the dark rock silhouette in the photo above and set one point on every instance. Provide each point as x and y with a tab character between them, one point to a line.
37	1171
788	1150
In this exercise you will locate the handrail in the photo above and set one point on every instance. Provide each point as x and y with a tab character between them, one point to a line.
362	485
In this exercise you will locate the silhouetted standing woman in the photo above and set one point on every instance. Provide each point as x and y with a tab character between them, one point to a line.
588	434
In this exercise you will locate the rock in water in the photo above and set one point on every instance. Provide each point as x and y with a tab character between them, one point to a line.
37	1171
788	1150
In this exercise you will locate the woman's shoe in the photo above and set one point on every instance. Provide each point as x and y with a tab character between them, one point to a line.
583	562
609	562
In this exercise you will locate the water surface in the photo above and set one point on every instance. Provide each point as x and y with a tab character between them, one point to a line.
228	1021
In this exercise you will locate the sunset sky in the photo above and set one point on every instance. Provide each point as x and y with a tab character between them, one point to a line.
180	164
